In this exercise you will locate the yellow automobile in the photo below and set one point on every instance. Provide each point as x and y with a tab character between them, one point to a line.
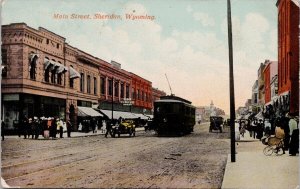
125	127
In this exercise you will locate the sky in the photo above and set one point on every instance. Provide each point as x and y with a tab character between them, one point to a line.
187	40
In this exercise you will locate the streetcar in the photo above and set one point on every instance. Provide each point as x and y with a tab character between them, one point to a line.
173	115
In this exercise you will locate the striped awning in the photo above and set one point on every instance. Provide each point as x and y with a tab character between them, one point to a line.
73	73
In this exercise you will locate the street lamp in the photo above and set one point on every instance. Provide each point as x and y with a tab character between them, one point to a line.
231	84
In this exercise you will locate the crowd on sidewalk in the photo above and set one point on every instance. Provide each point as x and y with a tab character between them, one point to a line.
284	128
47	127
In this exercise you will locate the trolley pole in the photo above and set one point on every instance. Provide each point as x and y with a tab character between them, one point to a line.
231	84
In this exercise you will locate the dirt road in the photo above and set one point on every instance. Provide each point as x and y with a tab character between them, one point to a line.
145	161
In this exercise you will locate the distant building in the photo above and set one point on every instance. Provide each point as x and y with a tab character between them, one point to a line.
270	71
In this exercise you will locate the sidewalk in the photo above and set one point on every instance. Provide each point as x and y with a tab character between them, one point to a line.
73	134
253	169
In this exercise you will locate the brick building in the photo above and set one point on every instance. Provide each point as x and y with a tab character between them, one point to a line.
270	71
288	54
42	75
156	94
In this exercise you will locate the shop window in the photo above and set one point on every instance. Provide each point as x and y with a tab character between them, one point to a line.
82	82
89	84
102	85
95	85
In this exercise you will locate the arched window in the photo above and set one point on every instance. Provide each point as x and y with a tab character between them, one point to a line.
47	69
32	66
71	81
59	76
53	72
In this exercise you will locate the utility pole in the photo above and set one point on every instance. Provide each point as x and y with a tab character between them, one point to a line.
112	98
231	83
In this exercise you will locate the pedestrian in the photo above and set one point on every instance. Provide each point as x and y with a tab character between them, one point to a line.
294	133
69	128
25	126
30	126
267	126
259	129
93	124
2	129
60	126
36	127
279	133
108	128
47	127
53	128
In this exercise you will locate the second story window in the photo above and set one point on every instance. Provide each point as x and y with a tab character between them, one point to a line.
4	63
122	90
82	82
71	81
102	85
32	66
89	84
95	85
138	94
110	87
133	94
116	89
127	91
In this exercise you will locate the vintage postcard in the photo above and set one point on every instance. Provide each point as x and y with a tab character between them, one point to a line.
149	94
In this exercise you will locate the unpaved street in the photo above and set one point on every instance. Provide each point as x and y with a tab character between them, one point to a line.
145	161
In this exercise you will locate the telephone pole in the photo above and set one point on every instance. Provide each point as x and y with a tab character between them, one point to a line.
231	83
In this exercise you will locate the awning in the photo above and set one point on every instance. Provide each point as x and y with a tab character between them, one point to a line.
74	73
51	64
87	111
32	56
118	114
62	69
142	116
259	115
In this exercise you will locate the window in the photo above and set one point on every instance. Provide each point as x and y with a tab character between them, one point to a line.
32	67
59	78
138	94
53	73
47	73
4	63
81	82
110	87
116	89
122	90
89	84
57	45
143	95
95	85
71	81
102	85
133	94
47	41
127	91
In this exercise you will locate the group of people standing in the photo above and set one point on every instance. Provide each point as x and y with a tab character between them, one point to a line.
285	128
47	127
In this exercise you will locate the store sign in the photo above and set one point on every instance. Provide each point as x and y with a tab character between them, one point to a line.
127	102
11	97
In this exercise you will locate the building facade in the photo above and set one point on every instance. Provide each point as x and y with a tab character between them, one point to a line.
288	54
42	75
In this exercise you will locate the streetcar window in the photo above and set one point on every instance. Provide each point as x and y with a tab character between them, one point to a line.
176	108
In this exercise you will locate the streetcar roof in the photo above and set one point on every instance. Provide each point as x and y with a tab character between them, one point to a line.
174	101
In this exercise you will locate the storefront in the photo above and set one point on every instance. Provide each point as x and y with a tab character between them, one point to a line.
15	106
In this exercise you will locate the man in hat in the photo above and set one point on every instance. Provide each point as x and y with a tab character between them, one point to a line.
294	133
